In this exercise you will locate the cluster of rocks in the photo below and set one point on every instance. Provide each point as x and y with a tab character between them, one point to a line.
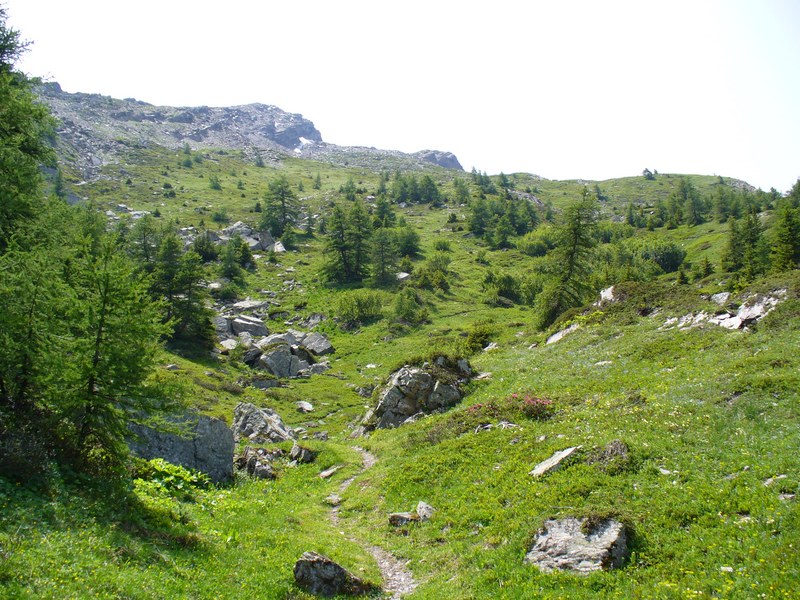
749	312
283	355
422	513
413	392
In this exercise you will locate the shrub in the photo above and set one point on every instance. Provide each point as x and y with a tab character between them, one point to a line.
359	306
442	246
408	307
533	407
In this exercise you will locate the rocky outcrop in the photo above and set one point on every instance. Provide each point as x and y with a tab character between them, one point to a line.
414	390
753	309
207	445
447	160
579	545
95	129
258	462
259	425
320	575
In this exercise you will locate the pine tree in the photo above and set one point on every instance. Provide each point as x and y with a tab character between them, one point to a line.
281	206
25	125
384	256
338	267
572	260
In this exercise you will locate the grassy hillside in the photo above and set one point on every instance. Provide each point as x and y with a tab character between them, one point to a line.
705	419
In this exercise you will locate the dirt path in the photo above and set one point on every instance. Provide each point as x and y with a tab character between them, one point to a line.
397	579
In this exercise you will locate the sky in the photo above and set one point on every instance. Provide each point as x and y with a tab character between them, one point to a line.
563	89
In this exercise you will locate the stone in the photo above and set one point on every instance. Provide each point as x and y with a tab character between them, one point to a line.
250	304
721	298
228	345
425	511
558	336
301	454
304	406
259	425
554	462
329	472
410	391
257	462
222	325
252	325
207	446
251	356
403	518
320	575
280	361
277	338
318	344
579	546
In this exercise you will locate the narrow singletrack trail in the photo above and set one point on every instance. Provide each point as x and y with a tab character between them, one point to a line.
397	579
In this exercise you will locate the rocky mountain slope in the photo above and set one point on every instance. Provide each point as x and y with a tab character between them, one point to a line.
93	130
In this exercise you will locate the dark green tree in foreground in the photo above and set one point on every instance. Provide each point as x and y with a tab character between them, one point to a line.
25	125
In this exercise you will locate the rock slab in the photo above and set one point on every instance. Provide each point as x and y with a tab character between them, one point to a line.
207	445
576	545
554	462
320	575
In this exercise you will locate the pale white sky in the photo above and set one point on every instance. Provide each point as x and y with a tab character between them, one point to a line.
564	89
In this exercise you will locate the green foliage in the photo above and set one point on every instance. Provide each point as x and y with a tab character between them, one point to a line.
384	256
26	126
281	206
408	307
572	259
358	307
214	182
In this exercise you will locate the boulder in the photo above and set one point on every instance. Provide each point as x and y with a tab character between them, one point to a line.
249	324
579	545
318	344
251	356
280	361
320	575
207	445
301	454
259	425
258	462
410	391
554	462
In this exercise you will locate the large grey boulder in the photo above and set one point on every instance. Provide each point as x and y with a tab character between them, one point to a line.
579	545
280	361
259	425
416	390
318	344
207	445
249	324
319	575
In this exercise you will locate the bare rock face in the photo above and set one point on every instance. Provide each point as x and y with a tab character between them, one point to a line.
447	160
319	575
580	546
259	425
207	446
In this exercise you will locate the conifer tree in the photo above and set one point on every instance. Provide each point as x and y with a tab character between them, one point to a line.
281	206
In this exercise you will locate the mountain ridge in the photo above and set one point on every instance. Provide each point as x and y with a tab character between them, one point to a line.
94	129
